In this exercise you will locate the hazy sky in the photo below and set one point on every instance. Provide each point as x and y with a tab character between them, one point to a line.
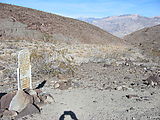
92	8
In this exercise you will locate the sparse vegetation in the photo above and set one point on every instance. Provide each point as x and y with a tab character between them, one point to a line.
44	63
156	52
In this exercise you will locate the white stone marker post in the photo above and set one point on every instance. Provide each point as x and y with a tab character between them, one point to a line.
24	70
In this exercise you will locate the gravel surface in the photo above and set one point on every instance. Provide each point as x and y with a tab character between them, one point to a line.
104	92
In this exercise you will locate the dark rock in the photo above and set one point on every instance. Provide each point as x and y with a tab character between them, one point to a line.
132	84
6	99
28	110
147	98
106	65
131	96
127	77
152	93
138	99
153	80
2	68
131	108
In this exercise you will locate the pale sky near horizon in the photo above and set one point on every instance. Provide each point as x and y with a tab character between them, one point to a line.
92	8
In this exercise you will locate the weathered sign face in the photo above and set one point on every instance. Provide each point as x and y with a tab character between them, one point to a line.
24	69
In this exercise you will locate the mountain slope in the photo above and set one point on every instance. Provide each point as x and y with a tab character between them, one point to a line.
57	27
148	39
123	24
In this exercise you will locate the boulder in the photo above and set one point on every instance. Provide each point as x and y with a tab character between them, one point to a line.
6	99
20	101
28	110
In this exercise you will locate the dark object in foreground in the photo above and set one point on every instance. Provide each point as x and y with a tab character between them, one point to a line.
72	115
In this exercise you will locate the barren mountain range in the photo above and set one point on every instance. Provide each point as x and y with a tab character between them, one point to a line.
123	24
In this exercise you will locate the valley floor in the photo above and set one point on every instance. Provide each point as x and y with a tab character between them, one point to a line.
104	92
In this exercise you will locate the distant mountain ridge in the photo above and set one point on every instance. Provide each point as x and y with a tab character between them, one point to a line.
124	24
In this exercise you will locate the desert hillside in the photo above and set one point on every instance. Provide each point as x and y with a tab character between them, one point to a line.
57	44
123	24
147	39
55	27
77	70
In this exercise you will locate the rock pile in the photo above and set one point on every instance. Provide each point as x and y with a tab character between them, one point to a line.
23	102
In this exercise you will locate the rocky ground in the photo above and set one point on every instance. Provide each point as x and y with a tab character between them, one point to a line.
91	82
91	74
101	91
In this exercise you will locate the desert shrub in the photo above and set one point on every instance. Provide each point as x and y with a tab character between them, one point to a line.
45	63
48	38
9	73
155	52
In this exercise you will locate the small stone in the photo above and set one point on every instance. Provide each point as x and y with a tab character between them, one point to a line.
131	89
49	99
70	88
153	83
131	108
94	101
152	93
38	91
32	92
36	99
153	80
42	97
138	99
131	96
119	88
106	65
65	84
2	67
127	77
147	98
124	87
133	118
56	85
132	84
